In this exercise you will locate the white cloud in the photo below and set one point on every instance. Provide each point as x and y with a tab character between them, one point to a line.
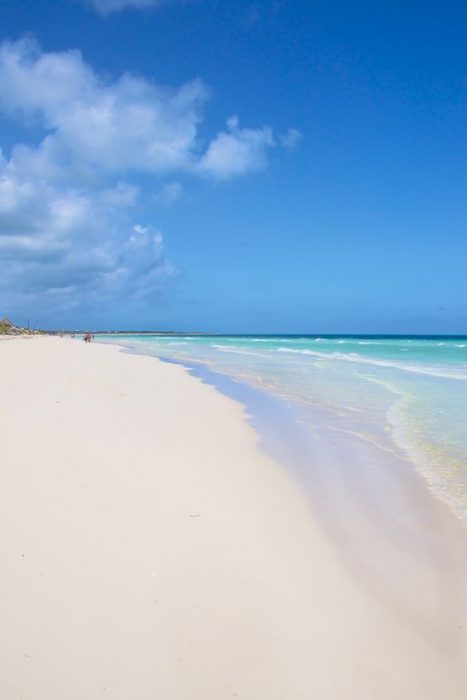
105	7
69	210
236	151
97	125
128	124
291	139
64	246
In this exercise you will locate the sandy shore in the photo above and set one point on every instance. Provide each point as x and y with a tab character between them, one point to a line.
149	549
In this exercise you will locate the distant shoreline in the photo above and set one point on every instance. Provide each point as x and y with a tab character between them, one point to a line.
393	336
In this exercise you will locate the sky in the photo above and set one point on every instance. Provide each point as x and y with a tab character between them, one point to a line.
234	166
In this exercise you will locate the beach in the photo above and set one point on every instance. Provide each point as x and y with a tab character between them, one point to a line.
152	548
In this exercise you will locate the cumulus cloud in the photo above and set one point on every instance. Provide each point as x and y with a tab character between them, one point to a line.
128	124
64	246
236	151
71	213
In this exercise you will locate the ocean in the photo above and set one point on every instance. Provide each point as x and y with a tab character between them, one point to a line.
404	393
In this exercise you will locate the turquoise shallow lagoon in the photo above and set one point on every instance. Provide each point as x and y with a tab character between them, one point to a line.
407	394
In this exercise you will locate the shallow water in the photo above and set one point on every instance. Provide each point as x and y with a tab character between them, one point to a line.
404	394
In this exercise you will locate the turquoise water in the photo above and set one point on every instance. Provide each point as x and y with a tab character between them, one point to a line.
407	393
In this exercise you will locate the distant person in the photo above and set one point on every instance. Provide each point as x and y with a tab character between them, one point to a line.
87	337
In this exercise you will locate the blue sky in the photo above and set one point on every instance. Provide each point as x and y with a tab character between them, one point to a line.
236	166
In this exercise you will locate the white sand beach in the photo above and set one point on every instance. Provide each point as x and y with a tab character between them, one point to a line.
150	549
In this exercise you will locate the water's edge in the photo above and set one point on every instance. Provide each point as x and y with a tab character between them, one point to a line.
283	433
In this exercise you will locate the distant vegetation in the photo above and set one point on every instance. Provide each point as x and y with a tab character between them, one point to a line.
5	325
9	328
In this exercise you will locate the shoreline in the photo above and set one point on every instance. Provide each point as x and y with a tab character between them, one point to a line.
365	531
264	405
138	480
434	458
